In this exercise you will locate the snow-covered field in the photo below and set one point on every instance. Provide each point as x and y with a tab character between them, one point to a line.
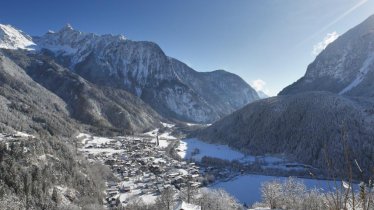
88	139
247	188
18	134
22	134
188	146
167	125
164	138
196	124
107	151
136	193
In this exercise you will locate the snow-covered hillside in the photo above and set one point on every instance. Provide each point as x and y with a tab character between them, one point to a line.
11	38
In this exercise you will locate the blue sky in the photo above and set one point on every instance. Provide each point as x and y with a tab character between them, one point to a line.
270	42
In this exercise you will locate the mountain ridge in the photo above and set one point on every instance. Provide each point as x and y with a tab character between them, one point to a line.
143	69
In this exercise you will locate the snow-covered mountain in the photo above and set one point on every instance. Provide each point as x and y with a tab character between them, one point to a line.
345	67
11	38
142	68
112	61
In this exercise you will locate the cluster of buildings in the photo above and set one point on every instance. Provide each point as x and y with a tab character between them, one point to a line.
143	168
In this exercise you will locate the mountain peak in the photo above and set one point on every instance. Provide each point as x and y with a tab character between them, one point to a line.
68	40
12	38
67	27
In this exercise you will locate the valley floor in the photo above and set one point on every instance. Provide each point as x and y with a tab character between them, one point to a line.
145	164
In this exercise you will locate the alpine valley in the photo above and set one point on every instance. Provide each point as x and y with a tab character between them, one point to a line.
92	121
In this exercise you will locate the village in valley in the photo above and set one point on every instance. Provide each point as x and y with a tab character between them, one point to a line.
143	165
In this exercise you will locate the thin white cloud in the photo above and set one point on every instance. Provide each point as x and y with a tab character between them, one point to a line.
330	37
260	85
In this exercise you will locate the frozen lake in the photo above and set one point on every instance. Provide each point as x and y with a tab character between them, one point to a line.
247	188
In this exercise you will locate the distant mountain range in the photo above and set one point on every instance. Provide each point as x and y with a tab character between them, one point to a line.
328	111
108	81
141	68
